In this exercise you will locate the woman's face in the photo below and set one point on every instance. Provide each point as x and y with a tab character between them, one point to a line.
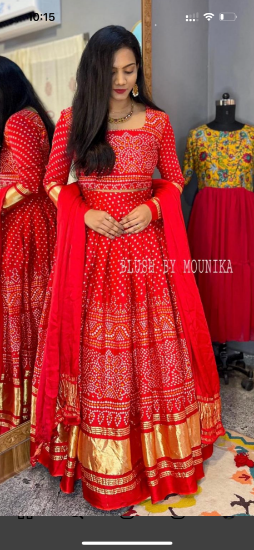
124	73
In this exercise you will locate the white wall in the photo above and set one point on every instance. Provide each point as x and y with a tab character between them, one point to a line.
180	75
231	54
82	16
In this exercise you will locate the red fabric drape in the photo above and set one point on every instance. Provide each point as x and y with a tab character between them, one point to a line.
3	192
188	298
61	354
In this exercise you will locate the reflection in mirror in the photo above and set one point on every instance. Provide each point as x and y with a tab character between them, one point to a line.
28	234
137	31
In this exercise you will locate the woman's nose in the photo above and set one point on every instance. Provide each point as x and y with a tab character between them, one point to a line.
120	79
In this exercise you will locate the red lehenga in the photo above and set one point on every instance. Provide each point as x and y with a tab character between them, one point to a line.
125	390
27	240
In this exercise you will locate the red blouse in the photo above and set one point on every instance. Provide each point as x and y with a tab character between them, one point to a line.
138	153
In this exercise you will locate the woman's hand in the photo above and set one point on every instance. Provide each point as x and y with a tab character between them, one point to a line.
137	220
101	222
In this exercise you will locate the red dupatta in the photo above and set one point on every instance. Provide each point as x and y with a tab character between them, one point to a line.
58	398
61	354
191	311
3	192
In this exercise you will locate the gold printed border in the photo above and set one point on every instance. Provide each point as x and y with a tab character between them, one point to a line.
178	186
105	456
11	401
173	417
175	442
113	480
166	443
107	432
115	491
210	411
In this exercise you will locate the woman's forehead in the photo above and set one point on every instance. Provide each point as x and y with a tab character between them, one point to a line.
123	57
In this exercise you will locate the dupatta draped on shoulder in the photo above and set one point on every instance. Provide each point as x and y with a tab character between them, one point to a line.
61	355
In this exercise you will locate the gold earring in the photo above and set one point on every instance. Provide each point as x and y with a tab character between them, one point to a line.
135	90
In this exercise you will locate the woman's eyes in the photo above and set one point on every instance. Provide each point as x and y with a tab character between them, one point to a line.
127	72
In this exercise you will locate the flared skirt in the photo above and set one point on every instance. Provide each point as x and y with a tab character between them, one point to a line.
28	242
220	231
139	434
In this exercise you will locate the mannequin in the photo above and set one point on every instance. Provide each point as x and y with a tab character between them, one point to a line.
225	122
221	154
225	116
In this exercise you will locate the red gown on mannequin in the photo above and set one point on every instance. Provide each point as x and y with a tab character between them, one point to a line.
27	239
125	387
220	229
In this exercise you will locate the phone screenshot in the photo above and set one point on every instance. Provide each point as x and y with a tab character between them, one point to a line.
126	270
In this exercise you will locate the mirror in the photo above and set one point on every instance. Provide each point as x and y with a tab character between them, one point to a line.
49	59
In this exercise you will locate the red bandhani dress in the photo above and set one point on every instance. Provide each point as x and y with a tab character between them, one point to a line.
27	239
126	419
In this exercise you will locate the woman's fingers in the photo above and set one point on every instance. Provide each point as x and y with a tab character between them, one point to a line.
106	225
134	224
131	220
135	229
111	229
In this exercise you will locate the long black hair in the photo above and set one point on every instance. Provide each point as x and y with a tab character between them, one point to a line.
16	93
87	138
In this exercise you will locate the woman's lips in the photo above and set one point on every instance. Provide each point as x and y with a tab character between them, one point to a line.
120	91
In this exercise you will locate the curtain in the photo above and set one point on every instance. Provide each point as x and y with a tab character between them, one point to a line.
51	69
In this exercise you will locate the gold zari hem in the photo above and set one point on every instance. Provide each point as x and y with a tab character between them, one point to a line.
164	443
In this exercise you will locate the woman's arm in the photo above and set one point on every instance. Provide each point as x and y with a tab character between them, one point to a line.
23	137
59	164
168	165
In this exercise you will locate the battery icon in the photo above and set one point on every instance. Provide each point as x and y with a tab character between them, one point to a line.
228	16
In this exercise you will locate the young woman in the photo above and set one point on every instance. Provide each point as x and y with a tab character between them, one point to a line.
125	387
27	237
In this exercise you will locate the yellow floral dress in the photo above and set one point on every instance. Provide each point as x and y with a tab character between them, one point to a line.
220	159
220	229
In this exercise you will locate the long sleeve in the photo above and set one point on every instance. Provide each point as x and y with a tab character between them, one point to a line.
59	164
24	140
189	161
168	164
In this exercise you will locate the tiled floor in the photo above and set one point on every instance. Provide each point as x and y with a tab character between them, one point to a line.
35	493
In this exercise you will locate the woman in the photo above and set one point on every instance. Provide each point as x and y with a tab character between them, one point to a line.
114	387
27	237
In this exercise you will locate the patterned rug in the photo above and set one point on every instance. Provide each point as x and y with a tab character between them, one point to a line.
226	490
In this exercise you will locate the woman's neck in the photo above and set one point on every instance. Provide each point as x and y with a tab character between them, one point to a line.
118	107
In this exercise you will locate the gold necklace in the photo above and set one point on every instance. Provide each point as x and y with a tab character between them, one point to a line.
122	119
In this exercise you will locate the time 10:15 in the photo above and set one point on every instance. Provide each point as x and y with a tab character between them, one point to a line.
39	16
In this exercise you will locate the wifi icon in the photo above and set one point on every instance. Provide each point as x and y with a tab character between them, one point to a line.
208	16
